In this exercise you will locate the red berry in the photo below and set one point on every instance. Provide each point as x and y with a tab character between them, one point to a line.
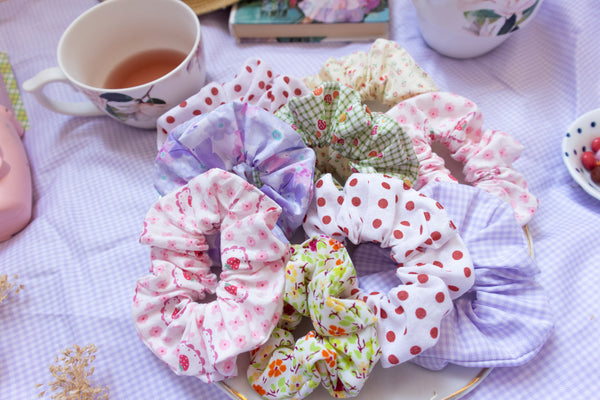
184	362
596	144
588	159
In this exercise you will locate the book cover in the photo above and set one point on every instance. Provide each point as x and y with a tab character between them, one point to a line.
309	20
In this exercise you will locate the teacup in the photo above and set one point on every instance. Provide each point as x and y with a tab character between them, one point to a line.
133	59
470	28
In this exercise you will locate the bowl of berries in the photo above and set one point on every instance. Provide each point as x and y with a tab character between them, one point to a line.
581	152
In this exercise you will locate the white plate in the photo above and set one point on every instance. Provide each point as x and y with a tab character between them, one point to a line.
403	382
577	140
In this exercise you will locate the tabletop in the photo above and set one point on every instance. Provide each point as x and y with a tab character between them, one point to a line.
79	257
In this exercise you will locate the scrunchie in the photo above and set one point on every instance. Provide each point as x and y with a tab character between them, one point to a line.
251	142
340	351
172	306
505	318
487	155
255	83
347	137
387	73
428	255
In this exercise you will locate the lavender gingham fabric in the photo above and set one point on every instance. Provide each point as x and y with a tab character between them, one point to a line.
505	317
79	257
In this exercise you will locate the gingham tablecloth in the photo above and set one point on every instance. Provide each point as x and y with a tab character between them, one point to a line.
79	257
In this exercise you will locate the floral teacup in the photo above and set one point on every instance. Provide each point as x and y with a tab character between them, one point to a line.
115	39
469	28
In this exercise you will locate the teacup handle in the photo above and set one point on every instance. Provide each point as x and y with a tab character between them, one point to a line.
36	86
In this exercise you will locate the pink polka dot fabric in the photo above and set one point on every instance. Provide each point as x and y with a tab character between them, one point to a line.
431	262
487	155
255	83
172	308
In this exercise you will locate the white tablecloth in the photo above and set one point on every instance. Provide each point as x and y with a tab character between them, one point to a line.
79	257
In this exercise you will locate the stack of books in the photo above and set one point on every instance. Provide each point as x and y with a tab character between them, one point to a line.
309	20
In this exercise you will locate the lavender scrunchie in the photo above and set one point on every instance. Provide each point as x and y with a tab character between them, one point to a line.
250	142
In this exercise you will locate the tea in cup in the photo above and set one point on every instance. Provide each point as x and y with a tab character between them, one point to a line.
133	60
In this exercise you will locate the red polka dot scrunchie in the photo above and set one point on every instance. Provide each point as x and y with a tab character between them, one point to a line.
255	83
431	260
487	155
172	307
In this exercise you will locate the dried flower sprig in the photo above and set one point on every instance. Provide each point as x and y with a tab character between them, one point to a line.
6	287
72	372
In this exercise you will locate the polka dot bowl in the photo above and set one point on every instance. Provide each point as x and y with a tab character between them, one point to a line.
577	140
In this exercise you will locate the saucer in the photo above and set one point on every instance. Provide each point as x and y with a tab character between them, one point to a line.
577	140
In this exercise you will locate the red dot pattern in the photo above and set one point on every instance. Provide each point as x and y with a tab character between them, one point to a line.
255	83
433	265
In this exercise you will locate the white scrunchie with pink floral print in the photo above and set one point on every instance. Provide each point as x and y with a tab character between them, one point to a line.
431	261
196	324
488	155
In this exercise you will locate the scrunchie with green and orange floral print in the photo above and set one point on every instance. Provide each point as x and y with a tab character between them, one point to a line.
341	349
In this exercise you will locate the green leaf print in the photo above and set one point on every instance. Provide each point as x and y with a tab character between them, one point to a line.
281	382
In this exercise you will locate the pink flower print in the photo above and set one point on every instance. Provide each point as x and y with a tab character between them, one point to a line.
433	112
240	341
161	351
220	325
255	335
247	205
263	285
262	255
162	284
275	247
142	318
401	119
262	234
250	241
524	197
259	310
449	107
227	368
488	155
265	325
435	97
155	331
236	323
229	235
231	192
224	344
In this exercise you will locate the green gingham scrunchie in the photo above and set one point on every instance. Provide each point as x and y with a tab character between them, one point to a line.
342	348
347	137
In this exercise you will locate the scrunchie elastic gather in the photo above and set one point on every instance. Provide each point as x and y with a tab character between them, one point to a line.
386	73
251	142
172	310
340	351
505	318
347	137
255	83
487	155
429	257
